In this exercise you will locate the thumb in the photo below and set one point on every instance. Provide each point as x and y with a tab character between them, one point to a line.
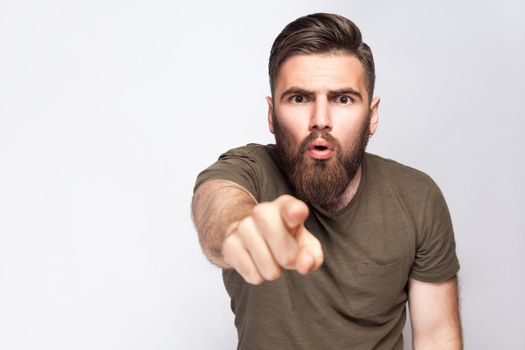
293	211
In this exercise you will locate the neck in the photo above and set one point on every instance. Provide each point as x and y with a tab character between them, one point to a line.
349	193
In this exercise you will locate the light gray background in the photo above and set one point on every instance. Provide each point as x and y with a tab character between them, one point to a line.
109	109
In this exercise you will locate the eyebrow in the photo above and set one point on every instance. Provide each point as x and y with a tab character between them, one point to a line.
294	90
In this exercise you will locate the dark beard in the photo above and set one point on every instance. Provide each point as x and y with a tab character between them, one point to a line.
317	181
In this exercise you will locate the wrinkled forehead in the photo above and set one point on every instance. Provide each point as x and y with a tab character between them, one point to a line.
321	73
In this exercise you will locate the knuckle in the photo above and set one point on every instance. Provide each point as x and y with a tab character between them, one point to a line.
286	197
230	239
244	271
273	274
249	274
244	226
229	251
255	279
228	244
260	210
285	259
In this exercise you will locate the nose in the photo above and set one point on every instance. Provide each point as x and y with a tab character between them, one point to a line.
321	118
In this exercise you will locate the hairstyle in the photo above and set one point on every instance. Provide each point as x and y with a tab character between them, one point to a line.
320	33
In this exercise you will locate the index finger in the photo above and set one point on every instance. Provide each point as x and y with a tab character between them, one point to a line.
293	211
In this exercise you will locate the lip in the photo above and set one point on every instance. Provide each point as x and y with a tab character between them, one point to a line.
320	149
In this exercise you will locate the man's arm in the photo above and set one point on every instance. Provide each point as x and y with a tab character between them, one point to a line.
434	313
216	205
255	239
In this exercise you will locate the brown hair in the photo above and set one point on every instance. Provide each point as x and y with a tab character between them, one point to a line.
320	33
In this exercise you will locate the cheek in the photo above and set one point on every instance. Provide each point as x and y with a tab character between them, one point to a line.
347	128
294	126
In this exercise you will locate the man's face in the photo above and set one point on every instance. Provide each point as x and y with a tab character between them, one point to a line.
321	117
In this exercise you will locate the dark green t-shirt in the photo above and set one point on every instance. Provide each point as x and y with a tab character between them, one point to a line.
396	226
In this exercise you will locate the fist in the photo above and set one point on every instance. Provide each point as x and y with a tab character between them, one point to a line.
270	239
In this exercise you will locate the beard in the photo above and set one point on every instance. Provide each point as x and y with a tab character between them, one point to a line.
320	181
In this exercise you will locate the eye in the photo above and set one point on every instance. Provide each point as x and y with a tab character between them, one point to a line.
344	99
299	99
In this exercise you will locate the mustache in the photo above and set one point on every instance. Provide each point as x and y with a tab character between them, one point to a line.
319	134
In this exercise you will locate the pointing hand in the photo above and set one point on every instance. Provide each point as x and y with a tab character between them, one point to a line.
271	238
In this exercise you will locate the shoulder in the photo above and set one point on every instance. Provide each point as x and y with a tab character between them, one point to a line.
248	166
251	150
407	182
414	190
259	157
398	173
253	155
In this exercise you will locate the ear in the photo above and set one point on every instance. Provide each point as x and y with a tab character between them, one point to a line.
374	115
270	114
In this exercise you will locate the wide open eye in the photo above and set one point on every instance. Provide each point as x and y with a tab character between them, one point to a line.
344	99
299	99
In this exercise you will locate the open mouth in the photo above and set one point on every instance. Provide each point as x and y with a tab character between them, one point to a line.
320	149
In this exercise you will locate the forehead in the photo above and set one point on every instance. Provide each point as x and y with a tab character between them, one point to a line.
320	72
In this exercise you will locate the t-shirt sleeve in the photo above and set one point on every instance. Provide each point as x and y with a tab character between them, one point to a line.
237	165
435	258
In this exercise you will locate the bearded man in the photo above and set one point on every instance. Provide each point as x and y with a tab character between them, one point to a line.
321	243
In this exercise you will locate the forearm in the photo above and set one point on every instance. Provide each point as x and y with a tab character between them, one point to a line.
446	337
434	312
217	205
